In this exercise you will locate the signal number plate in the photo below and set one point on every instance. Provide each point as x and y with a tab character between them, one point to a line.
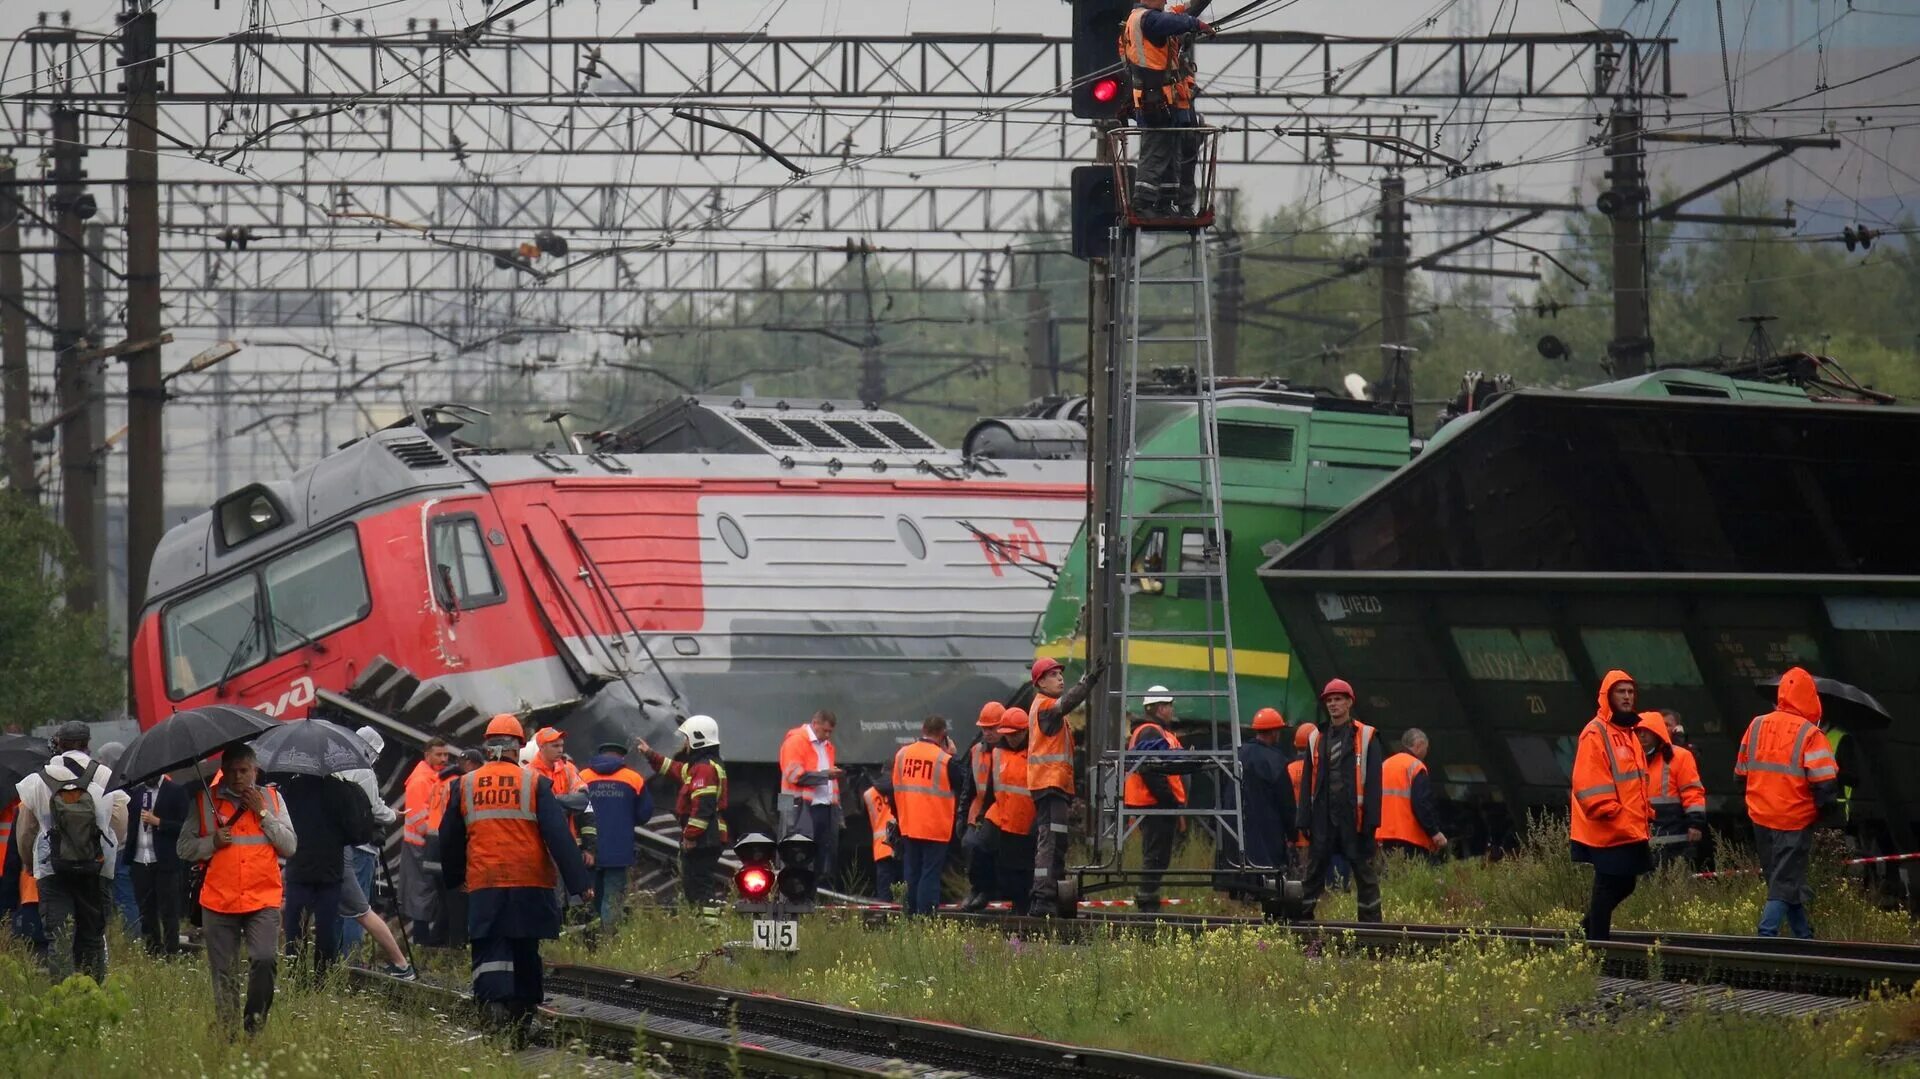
776	936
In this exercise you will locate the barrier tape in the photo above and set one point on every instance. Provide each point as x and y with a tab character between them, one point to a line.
1881	859
1091	904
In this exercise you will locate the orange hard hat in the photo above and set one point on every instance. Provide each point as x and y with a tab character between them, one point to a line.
506	725
990	713
1269	719
548	735
1013	719
1044	666
1302	733
1338	685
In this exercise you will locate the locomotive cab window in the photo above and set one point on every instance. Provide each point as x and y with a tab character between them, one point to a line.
1200	552
213	633
463	573
315	590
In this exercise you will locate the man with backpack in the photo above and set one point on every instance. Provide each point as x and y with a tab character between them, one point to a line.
69	831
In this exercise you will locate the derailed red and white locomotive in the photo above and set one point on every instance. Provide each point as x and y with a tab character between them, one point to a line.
750	559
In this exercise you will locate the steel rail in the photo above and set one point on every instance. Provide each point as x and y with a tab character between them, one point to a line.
847	1030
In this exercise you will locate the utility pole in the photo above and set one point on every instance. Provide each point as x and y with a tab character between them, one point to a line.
1043	376
97	332
1632	346
1396	373
73	383
16	377
146	392
1226	323
1103	403
873	370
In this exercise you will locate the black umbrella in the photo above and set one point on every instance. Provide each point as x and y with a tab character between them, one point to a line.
1842	703
185	738
312	747
20	756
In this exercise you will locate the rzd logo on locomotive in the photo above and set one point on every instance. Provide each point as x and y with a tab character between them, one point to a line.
298	695
1022	543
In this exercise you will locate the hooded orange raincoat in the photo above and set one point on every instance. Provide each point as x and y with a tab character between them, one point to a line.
1787	760
1610	807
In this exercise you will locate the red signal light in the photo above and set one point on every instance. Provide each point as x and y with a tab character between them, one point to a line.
1106	90
754	882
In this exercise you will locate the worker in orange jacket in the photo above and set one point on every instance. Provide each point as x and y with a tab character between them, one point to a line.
926	782
809	801
877	800
1611	818
419	894
1409	810
1297	768
1674	792
1010	811
1341	811
1792	779
981	842
1050	772
503	836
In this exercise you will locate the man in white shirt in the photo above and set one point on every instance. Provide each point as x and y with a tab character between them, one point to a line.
74	874
809	802
364	857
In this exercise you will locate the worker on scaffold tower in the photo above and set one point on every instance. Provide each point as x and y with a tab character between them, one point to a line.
1155	48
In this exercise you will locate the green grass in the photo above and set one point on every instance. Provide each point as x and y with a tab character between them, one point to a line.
155	1018
1254	999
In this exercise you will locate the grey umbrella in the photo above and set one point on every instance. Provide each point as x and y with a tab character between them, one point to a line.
1844	703
313	747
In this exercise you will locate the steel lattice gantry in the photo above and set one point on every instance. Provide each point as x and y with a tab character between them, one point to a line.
420	92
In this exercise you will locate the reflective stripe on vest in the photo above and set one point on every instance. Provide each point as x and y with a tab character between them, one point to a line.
504	846
1049	756
879	815
1152	69
1363	735
1613	769
243	876
1135	792
923	794
1012	810
1397	818
1662	795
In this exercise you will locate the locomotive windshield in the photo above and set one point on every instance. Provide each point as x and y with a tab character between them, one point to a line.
308	592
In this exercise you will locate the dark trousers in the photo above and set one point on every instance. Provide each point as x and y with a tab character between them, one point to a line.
1609	891
1050	837
923	860
826	848
315	907
886	874
697	875
1156	854
1166	180
983	861
162	892
73	908
255	936
1783	859
1359	856
1013	865
507	975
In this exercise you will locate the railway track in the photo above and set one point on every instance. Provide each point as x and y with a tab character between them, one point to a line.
699	1031
1818	967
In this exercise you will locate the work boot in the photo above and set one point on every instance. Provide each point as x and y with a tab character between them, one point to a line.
974	902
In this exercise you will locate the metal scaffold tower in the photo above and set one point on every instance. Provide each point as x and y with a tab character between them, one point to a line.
1160	363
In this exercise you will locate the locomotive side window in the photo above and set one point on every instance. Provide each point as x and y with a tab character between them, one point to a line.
460	558
1199	553
315	590
213	634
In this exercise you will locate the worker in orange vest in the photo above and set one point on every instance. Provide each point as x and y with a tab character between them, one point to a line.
877	800
809	801
1611	815
1341	811
1153	47
243	831
1296	768
1050	773
926	784
1674	792
1010	811
419	897
1792	779
1152	785
1409	811
981	844
502	837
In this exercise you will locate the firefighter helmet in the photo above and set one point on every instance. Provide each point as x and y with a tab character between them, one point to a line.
700	732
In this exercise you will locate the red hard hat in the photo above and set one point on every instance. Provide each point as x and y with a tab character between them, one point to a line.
1014	719
1338	685
505	725
1303	732
1043	666
990	713
1268	719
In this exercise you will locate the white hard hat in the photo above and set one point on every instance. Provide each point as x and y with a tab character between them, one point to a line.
700	732
373	740
1158	695
528	752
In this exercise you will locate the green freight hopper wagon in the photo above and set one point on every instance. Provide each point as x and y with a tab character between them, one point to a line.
1289	459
